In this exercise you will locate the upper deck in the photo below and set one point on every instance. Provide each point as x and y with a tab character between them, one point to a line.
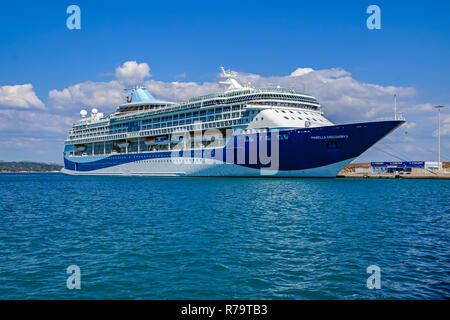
236	107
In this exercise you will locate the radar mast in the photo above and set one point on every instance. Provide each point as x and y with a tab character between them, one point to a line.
231	81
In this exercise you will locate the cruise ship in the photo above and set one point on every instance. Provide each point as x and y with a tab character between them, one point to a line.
243	131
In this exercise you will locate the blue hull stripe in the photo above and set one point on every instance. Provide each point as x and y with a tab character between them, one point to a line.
303	149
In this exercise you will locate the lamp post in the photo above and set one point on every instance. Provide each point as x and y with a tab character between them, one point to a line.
439	135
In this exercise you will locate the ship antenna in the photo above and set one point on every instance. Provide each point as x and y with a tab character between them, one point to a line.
395	106
231	81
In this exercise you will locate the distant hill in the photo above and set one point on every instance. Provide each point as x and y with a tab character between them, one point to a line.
28	166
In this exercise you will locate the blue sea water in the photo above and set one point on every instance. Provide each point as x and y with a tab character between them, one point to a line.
223	238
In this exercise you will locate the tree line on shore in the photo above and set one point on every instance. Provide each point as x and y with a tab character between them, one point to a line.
22	166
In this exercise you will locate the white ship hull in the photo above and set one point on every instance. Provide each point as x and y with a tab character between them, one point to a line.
205	168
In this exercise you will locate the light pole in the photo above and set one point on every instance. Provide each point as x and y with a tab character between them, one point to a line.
439	135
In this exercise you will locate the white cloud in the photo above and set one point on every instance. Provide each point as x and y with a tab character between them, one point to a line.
343	98
409	125
181	75
301	72
424	107
20	97
71	100
32	149
445	126
180	91
132	73
33	122
21	142
104	95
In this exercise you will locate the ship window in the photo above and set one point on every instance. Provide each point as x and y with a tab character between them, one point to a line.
331	144
286	118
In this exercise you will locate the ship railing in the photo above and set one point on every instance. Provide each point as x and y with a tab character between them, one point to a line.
398	117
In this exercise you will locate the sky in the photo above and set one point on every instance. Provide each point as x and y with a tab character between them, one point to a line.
48	73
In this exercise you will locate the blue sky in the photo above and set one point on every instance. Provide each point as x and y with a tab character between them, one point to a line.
186	41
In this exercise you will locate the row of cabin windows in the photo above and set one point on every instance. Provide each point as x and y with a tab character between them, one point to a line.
293	118
194	114
174	160
293	112
187	116
218	124
287	104
109	147
156	124
119	128
260	96
299	112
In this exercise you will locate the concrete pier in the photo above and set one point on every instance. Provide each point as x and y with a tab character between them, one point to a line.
365	170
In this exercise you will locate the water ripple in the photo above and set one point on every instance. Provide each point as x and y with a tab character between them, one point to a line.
207	238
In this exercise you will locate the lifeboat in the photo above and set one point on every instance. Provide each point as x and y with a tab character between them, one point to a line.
176	139
122	144
209	136
80	147
196	136
149	141
162	139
